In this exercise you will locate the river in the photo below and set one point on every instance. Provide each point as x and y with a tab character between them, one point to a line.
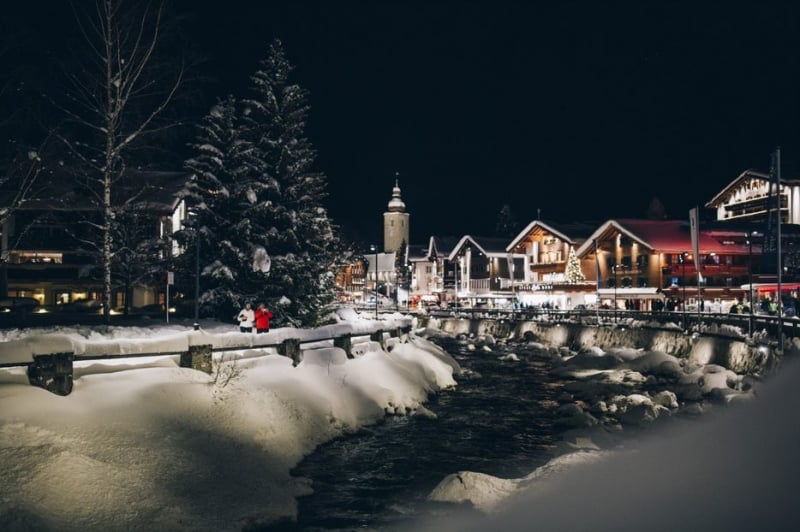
496	421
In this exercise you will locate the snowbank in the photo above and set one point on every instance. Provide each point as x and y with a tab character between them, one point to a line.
160	447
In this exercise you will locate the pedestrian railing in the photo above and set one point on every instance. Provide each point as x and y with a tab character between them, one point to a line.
54	371
748	323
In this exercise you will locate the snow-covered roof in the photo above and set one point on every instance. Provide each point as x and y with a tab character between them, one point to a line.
573	233
668	236
441	246
746	176
489	246
417	252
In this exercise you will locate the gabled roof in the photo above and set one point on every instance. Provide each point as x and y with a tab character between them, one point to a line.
417	252
668	236
747	175
441	246
531	227
489	246
574	233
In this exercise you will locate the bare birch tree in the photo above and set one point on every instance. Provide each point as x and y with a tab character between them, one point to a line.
116	100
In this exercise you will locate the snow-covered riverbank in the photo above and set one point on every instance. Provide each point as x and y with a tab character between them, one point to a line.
610	474
147	445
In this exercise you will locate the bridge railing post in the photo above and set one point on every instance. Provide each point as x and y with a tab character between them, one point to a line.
377	336
198	357
52	372
344	342
291	348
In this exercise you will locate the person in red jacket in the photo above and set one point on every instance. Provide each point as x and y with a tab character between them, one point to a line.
262	316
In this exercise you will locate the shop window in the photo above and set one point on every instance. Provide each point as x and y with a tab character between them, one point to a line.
60	298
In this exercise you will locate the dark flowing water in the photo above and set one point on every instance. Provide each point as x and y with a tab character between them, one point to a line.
493	422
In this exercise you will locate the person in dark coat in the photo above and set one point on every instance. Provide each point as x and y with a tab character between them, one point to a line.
262	315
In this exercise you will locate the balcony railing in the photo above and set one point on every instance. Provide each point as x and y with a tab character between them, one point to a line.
479	286
485	286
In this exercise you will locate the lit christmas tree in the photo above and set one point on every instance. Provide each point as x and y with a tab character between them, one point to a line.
573	274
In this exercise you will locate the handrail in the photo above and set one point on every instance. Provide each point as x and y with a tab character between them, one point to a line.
686	320
240	347
53	371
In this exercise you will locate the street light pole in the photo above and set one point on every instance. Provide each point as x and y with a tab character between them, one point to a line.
197	278
750	277
614	269
683	282
374	248
195	224
456	267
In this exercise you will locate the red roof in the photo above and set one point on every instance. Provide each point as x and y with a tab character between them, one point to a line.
667	236
675	236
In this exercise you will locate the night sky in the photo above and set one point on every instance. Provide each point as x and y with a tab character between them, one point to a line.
583	110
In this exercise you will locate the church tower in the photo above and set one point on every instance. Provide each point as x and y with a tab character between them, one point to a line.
395	222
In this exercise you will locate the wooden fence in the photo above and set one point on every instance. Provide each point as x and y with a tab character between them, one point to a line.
54	371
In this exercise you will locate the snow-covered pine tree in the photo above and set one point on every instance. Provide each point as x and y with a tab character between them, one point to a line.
287	219
573	273
222	196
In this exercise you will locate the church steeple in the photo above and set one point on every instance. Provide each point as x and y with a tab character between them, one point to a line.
395	221
396	203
